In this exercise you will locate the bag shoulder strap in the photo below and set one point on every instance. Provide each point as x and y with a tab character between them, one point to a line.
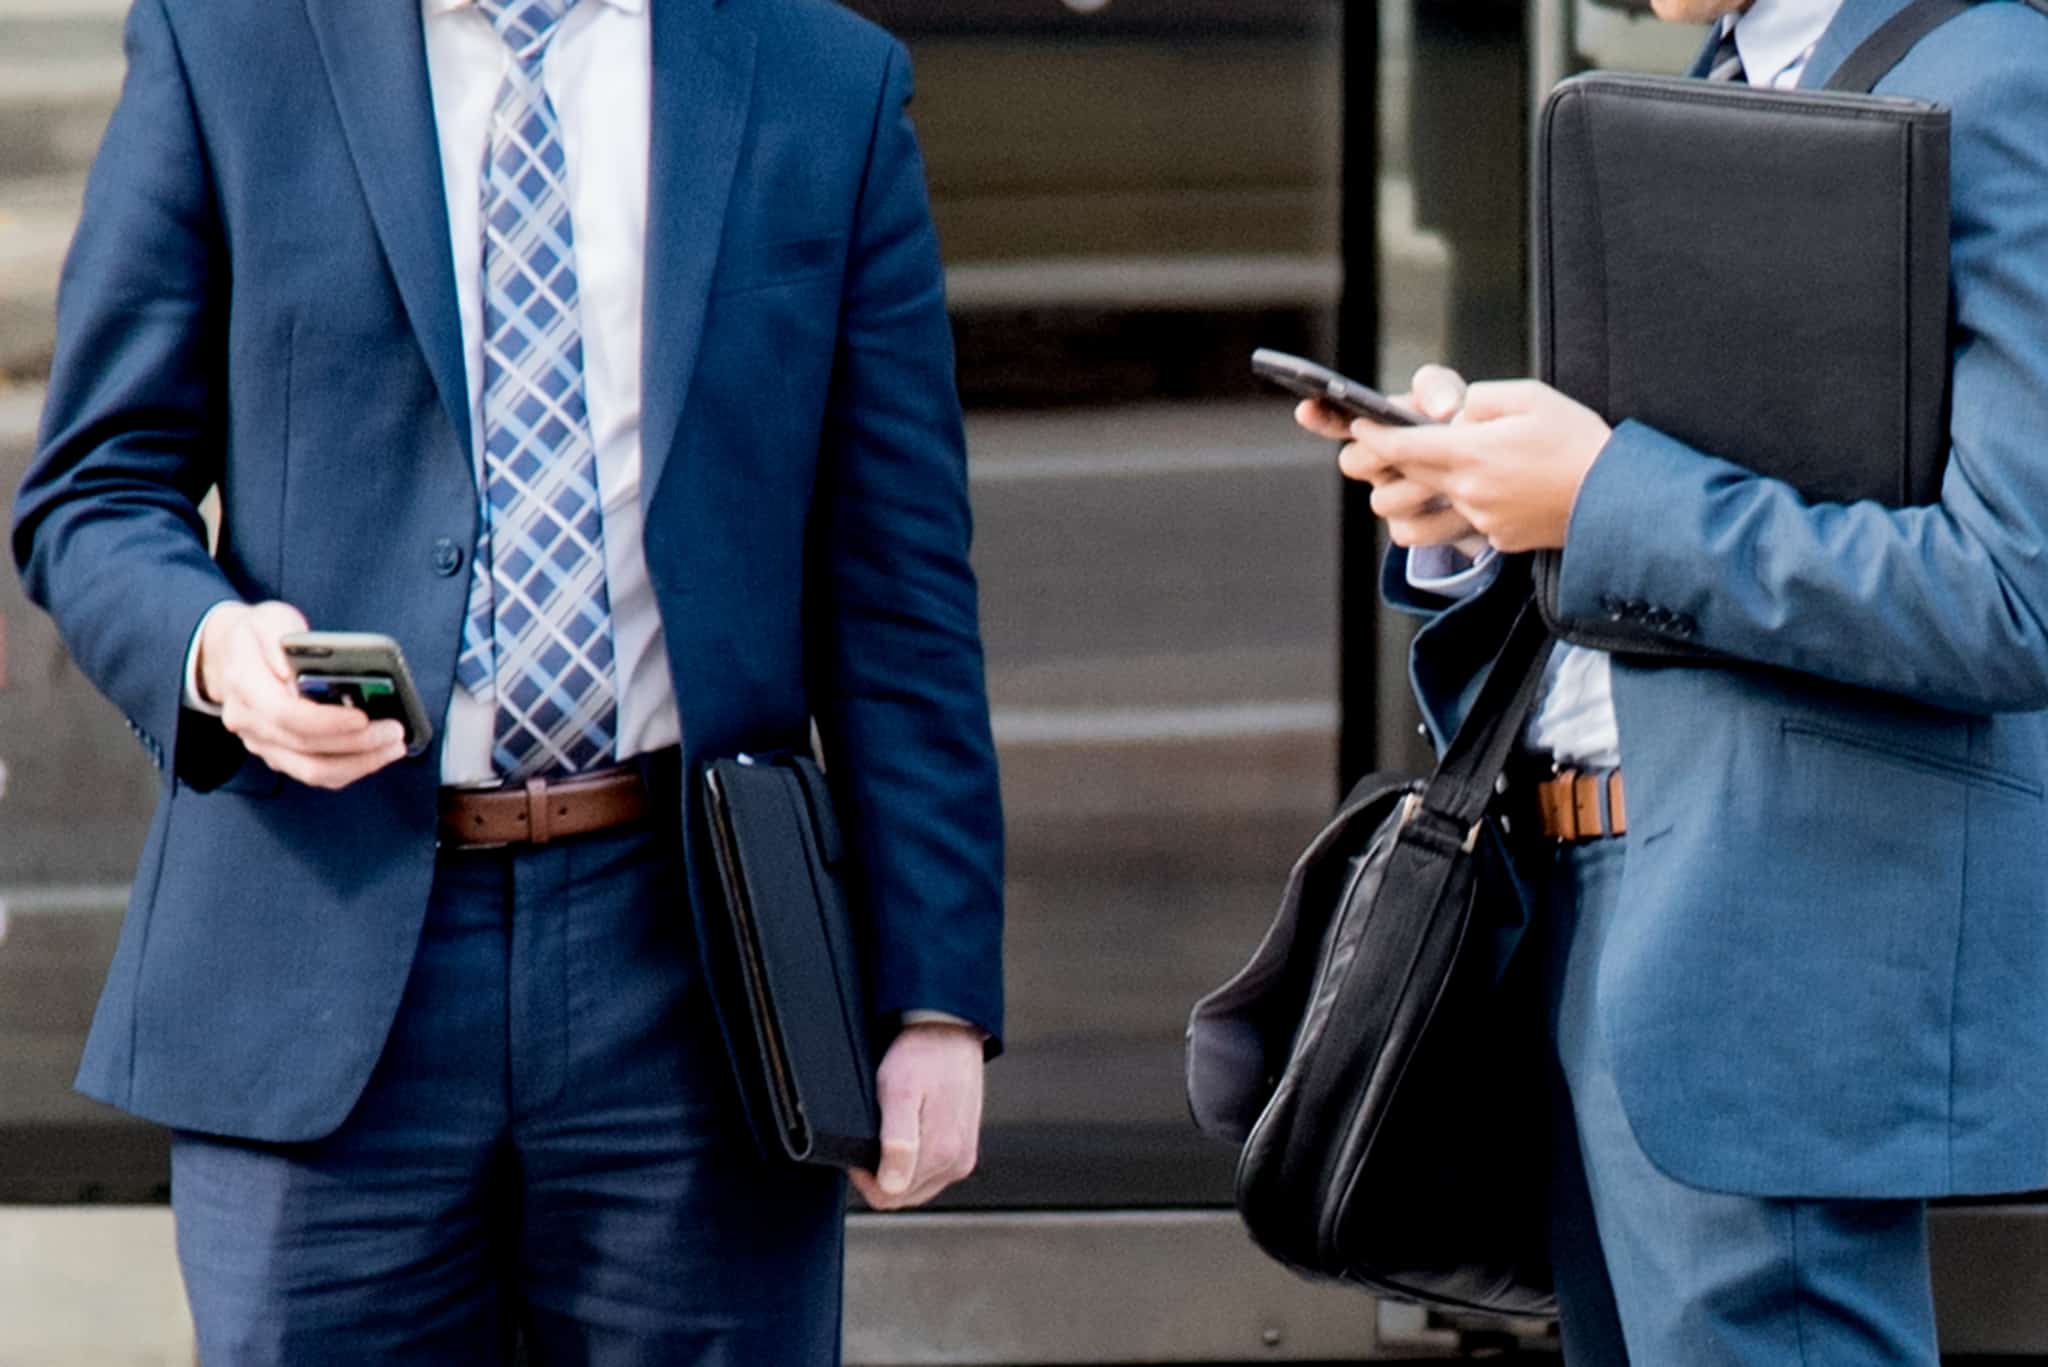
1477	756
1862	69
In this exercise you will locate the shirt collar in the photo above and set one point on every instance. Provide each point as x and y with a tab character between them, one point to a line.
1773	35
439	7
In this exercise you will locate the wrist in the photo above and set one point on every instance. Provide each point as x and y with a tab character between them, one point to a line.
942	1029
213	650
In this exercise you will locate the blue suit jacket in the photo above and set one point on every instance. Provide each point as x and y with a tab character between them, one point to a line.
1830	976
260	297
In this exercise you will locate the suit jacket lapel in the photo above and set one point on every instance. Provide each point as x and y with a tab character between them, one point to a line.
703	84
1704	63
376	59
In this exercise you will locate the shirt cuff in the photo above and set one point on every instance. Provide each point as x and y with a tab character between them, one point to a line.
1447	571
942	1018
194	699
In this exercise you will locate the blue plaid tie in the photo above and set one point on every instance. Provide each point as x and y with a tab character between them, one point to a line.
1726	67
539	628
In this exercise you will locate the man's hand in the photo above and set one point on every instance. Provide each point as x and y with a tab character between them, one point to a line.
243	669
930	1089
1415	514
1511	464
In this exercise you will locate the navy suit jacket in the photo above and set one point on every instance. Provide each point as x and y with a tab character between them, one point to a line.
1830	974
260	298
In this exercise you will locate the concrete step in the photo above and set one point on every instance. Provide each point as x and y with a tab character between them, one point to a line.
26	11
37	216
91	1287
60	70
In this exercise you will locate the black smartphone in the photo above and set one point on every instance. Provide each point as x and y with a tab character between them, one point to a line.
364	670
1346	395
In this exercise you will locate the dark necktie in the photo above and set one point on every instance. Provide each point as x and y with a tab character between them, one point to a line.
1727	63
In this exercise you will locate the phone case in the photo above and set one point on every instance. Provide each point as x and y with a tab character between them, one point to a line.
1303	377
346	654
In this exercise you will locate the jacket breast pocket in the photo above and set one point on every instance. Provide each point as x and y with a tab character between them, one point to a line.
787	261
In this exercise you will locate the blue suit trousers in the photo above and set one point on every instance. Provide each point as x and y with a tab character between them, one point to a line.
549	1145
1657	1273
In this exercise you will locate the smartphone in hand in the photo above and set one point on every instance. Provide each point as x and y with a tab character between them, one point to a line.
363	670
1340	393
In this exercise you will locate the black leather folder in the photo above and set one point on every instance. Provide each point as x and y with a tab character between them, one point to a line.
1762	274
785	965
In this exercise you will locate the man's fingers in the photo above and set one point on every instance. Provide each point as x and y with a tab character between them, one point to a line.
1424	453
281	717
318	772
370	740
1322	420
930	1087
320	720
1437	392
316	743
320	745
1396	499
891	1185
949	1150
864	1183
1443	528
1496	399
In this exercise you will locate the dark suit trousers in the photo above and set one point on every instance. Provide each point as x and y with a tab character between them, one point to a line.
549	1144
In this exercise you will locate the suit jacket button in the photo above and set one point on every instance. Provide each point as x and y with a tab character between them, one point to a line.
447	557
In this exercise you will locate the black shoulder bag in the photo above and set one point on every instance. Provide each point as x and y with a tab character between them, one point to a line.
1383	1058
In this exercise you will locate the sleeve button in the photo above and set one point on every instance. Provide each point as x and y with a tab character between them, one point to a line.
447	557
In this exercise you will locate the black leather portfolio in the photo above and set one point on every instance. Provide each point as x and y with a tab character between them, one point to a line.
785	965
1762	274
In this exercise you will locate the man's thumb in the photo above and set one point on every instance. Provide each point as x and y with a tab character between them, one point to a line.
274	621
900	1108
899	1163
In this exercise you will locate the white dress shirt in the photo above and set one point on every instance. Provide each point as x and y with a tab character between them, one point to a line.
598	74
1574	722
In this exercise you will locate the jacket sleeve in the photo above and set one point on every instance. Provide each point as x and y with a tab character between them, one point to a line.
896	652
107	531
1946	604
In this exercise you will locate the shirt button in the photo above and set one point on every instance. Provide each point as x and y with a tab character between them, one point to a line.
447	557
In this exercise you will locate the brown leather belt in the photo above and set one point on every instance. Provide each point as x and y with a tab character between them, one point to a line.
541	810
1575	805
